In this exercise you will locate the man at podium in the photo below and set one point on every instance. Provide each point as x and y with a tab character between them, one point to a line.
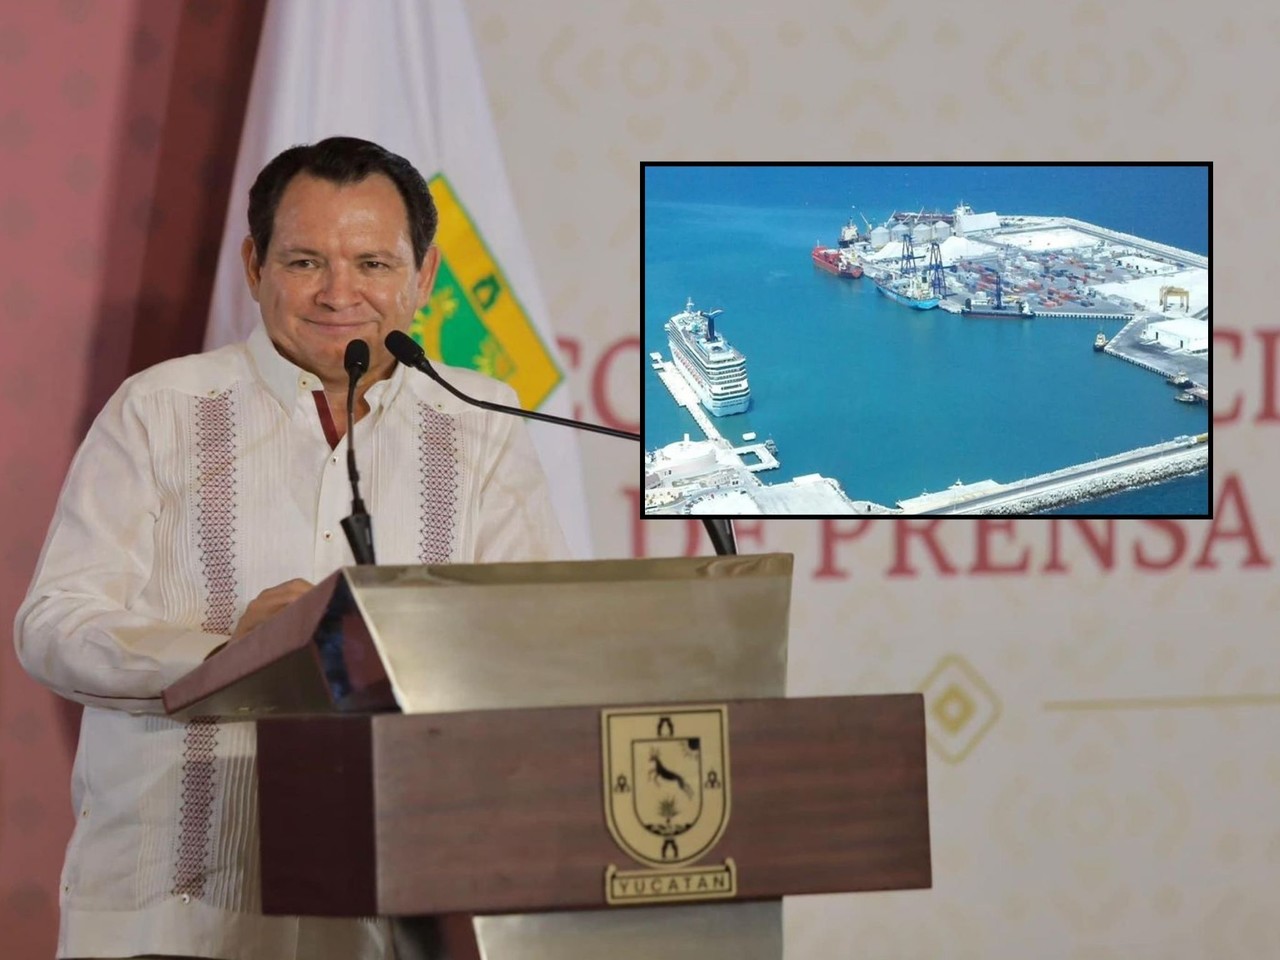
208	495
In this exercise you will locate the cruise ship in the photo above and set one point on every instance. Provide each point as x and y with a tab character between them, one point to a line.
716	371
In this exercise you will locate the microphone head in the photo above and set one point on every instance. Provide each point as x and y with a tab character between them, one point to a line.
405	349
356	359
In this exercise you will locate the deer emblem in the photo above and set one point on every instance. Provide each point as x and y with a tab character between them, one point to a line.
659	771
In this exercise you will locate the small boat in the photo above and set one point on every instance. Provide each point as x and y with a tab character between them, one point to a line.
748	437
1179	379
1013	310
1185	397
1100	341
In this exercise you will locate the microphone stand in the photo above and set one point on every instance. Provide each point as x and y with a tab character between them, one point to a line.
720	530
405	349
359	526
426	367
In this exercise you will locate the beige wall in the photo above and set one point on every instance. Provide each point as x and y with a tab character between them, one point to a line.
118	127
1105	764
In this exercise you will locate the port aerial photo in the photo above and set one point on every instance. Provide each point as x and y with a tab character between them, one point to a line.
926	339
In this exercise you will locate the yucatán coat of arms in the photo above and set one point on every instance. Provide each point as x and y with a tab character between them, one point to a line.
666	790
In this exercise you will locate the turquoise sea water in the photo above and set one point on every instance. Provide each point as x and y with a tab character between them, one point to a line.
893	401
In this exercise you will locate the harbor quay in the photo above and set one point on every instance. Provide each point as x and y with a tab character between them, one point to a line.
984	268
709	477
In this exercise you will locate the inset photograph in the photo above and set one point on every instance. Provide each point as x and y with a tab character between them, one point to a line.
926	339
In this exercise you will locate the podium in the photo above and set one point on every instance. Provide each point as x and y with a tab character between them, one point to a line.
592	758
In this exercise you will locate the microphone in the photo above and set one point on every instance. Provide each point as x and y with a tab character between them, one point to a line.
359	526
406	350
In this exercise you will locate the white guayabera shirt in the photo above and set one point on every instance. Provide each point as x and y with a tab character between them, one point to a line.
204	481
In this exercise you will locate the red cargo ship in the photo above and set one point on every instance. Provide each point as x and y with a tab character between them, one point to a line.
833	262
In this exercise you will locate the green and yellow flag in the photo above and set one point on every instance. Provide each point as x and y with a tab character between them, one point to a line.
474	318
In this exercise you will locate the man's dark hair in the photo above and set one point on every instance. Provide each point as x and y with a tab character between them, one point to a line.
341	160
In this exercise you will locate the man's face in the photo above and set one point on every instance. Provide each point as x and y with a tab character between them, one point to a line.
339	267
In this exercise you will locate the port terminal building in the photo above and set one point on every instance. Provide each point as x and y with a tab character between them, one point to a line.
1054	264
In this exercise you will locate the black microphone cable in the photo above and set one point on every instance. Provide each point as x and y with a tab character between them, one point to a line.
405	349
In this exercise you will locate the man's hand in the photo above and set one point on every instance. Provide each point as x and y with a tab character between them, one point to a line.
268	603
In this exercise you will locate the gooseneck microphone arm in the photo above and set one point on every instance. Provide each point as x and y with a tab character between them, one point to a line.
720	530
406	350
359	526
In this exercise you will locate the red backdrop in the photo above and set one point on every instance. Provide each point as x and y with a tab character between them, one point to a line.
118	131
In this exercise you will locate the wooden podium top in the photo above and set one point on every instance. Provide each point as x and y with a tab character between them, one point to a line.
436	638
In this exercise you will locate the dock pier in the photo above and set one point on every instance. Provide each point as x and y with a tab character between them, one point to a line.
684	395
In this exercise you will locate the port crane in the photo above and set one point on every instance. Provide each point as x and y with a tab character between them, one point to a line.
933	270
907	266
1174	293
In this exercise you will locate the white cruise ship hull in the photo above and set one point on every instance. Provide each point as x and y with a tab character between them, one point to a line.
716	406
